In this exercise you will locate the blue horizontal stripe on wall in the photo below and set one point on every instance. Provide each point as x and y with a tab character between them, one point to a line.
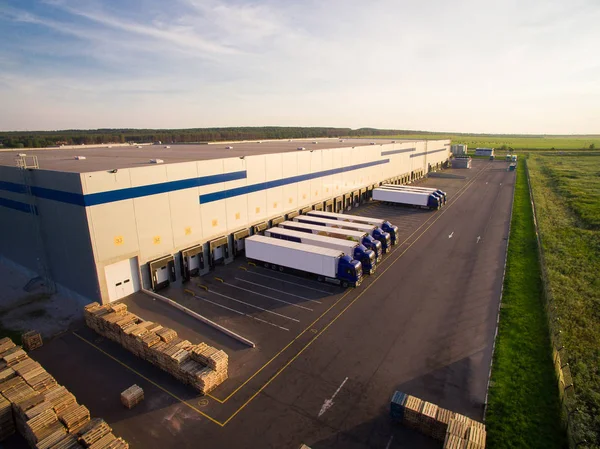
405	150
428	152
216	196
17	205
94	199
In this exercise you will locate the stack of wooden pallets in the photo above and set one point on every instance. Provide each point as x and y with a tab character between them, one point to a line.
7	422
31	340
201	366
46	414
132	396
93	432
455	430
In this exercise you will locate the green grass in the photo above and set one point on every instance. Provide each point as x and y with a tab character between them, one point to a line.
523	408
511	141
567	196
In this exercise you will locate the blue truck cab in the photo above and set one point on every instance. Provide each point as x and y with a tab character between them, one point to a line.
374	246
385	239
366	257
349	272
392	230
433	202
443	195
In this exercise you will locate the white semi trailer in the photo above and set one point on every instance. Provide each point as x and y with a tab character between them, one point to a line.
354	249
410	198
383	224
438	192
327	265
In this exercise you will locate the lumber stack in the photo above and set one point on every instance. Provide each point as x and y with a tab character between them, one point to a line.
31	340
7	422
46	414
455	430
132	396
201	366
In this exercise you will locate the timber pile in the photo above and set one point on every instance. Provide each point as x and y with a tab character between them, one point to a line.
132	396
31	340
201	366
7	423
46	414
455	430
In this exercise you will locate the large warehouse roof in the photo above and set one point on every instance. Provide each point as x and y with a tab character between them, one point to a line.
105	158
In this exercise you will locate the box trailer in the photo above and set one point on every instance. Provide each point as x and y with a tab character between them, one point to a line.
327	265
407	197
338	233
438	192
351	248
374	231
383	224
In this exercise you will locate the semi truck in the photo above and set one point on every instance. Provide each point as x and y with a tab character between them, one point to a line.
374	231
338	233
355	249
438	192
327	265
410	198
383	224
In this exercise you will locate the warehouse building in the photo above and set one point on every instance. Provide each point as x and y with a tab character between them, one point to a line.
101	223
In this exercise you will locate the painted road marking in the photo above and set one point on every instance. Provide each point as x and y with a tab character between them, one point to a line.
280	291
267	296
389	444
329	402
478	238
253	306
293	283
240	313
450	236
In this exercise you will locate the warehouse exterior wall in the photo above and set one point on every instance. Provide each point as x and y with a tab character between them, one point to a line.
99	218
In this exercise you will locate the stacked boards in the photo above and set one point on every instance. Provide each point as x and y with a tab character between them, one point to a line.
31	340
132	396
201	366
455	430
46	414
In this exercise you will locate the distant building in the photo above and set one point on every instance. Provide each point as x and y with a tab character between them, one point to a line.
484	152
458	149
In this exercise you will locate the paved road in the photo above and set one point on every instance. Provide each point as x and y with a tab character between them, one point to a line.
424	324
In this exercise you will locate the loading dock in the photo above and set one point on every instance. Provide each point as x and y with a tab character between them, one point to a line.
305	210
347	201
318	206
238	241
329	205
162	272
339	204
292	215
276	221
259	228
219	252
191	262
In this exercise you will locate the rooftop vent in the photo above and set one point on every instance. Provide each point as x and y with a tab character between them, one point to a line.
260	141
21	155
110	146
301	148
229	148
341	140
167	146
393	141
372	143
80	158
315	142
156	161
139	146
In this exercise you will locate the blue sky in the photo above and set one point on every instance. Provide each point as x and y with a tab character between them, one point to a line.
514	66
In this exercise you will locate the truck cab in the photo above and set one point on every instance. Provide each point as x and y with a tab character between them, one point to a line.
373	245
392	230
385	239
349	272
433	202
366	257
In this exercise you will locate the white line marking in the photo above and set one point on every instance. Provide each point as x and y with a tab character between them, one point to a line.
280	291
389	444
267	296
252	305
293	283
478	238
450	236
329	402
238	312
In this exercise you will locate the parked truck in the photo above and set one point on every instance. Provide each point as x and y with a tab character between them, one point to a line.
354	249
438	192
383	224
338	233
374	231
410	198
327	265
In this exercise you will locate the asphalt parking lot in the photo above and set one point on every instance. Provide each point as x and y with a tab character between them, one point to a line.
326	360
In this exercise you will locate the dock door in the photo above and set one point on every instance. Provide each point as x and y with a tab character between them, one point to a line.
162	272
239	240
191	262
219	252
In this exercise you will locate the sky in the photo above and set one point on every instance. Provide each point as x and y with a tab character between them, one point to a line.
510	66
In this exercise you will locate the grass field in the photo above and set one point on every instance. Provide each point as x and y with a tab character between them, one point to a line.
512	141
566	190
524	407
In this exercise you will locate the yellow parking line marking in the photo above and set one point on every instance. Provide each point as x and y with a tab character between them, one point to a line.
183	401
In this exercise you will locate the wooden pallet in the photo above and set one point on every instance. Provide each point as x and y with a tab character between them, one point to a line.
31	340
74	417
6	344
104	442
93	432
439	426
132	396
454	442
458	428
476	435
7	422
14	356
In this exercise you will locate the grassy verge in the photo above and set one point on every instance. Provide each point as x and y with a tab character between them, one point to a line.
524	408
566	189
